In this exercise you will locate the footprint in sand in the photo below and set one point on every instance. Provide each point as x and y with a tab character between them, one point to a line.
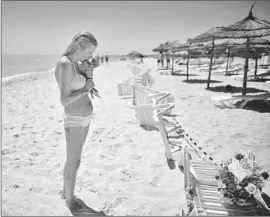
35	154
5	151
96	133
238	136
16	135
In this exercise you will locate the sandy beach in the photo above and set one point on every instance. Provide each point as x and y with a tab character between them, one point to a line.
124	169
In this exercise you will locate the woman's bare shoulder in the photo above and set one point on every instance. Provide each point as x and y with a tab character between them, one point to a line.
64	65
64	69
63	62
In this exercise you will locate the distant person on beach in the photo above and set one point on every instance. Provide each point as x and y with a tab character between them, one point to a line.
141	56
162	59
168	61
158	62
106	59
102	59
74	89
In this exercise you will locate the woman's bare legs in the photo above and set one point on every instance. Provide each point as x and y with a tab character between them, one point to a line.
78	140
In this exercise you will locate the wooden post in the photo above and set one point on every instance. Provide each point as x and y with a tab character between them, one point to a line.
133	94
186	167
172	60
228	58
256	65
246	69
211	60
187	64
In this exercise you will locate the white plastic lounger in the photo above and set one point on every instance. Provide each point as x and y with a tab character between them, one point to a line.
124	89
144	114
227	101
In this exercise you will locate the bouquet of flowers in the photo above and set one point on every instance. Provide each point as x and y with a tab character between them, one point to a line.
241	180
86	67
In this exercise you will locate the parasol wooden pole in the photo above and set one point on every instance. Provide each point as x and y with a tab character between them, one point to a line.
172	60
228	58
211	60
246	68
256	65
187	63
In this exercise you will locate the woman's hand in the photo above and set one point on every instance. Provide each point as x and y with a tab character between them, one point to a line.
88	86
89	73
95	62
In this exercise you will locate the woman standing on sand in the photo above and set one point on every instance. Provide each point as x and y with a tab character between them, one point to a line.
74	90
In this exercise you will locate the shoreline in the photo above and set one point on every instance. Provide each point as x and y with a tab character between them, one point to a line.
25	75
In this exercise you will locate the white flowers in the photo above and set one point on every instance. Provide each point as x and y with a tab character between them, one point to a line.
251	188
237	170
221	185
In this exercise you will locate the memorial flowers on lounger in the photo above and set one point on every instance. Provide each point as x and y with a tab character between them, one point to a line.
240	181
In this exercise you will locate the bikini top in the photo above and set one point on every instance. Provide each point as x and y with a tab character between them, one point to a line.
78	80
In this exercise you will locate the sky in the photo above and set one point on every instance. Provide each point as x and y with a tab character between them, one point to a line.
47	27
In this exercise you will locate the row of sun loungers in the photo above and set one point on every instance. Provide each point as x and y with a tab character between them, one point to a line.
153	109
229	101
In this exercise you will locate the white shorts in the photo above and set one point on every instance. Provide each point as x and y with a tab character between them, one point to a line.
77	121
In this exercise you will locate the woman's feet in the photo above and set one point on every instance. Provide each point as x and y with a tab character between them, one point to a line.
73	205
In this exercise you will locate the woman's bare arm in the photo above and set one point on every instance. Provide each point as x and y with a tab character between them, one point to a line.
66	74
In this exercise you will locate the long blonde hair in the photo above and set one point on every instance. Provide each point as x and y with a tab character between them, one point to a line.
80	39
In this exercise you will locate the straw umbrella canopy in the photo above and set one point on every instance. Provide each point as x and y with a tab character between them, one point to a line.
161	48
249	27
134	54
210	35
258	45
228	45
171	46
188	47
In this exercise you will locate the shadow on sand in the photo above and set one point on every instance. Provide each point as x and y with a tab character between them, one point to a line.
234	89
200	81
178	73
256	105
86	210
149	128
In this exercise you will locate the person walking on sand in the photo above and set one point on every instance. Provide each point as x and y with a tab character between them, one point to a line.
102	59
78	108
168	61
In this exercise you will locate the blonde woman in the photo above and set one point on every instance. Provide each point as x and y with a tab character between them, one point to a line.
74	90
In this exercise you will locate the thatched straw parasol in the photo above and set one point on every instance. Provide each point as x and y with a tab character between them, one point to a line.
249	27
210	35
228	45
134	54
171	46
258	45
188	47
161	48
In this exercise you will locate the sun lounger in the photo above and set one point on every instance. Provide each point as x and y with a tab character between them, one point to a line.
161	98
199	176
166	72
264	66
141	95
228	101
170	146
144	112
233	71
260	77
124	89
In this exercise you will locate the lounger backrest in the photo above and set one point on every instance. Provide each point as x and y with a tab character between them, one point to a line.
158	117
